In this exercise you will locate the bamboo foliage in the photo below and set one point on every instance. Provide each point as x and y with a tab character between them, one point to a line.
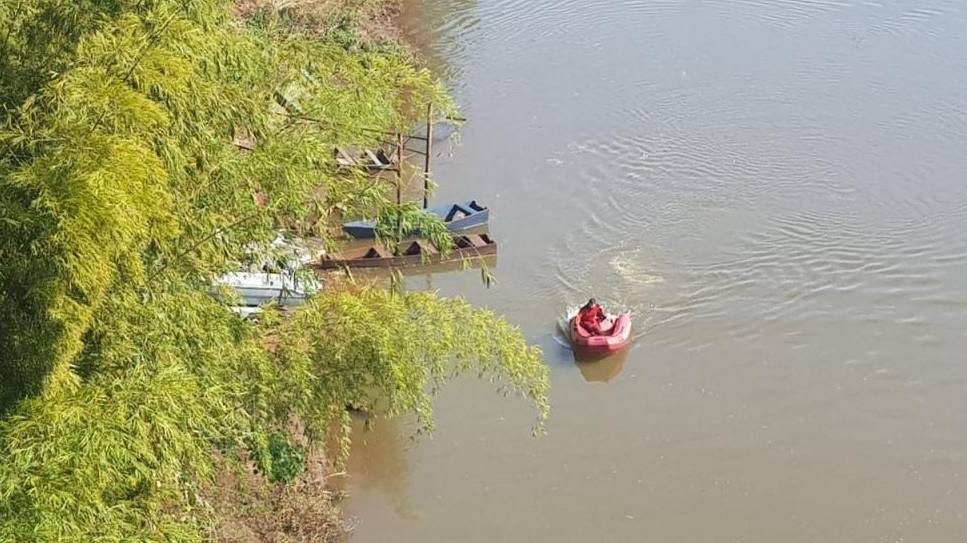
167	380
121	456
122	193
397	222
145	116
381	351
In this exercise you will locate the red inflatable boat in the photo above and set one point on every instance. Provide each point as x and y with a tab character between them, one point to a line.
616	334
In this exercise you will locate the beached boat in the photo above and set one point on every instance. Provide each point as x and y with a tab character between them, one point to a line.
616	335
413	253
459	217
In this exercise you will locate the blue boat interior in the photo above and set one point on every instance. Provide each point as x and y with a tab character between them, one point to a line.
452	214
459	211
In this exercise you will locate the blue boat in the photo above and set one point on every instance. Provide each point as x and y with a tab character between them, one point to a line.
459	217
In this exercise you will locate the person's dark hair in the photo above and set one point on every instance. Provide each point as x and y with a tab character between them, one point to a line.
590	304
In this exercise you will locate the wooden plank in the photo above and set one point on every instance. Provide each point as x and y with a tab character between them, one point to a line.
374	160
343	158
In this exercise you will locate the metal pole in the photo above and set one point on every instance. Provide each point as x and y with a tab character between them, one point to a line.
399	168
426	159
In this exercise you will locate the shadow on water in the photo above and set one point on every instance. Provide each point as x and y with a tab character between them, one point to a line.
598	368
379	461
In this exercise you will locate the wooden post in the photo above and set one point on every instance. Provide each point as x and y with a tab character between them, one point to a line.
399	168
429	150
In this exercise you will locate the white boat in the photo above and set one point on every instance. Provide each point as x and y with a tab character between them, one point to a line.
255	289
270	275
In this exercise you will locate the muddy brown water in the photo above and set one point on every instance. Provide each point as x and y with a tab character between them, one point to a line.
778	190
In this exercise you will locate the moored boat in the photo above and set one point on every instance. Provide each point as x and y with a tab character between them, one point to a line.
413	253
458	216
255	289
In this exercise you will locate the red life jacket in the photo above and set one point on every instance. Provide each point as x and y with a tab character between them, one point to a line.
590	317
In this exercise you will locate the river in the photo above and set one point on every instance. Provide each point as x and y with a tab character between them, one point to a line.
778	190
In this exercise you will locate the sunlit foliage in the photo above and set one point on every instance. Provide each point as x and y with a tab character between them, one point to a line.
122	169
144	146
396	223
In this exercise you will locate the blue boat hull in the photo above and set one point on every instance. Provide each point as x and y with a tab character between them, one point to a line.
474	216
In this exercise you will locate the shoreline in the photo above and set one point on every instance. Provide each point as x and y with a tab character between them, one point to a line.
136	404
316	497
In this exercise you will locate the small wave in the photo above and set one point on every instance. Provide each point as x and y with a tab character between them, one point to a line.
632	271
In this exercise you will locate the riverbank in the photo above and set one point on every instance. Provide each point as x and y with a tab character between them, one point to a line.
150	149
374	22
248	505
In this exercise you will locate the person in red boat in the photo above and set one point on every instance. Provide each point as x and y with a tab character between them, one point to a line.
590	317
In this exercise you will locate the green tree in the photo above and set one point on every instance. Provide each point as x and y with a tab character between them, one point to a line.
122	168
124	189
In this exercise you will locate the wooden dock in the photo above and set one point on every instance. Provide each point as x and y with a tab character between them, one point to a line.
412	253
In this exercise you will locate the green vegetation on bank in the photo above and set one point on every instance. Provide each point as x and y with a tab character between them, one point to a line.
123	192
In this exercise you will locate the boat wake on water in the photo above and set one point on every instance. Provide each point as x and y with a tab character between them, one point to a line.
624	282
562	335
630	270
